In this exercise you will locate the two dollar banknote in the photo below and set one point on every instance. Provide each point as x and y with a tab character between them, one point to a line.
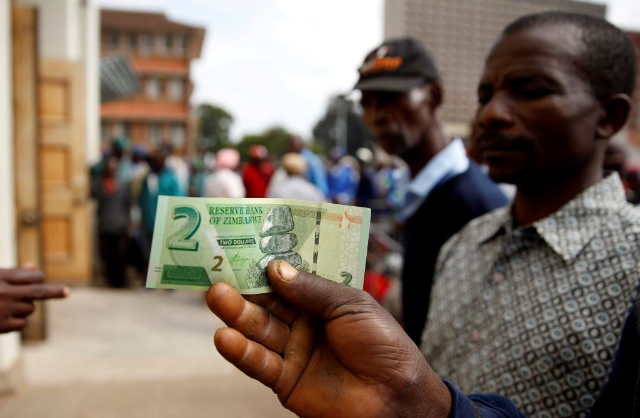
201	241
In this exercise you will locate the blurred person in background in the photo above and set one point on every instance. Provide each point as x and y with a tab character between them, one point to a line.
113	196
633	183
121	150
160	181
19	288
401	96
316	172
137	248
343	177
225	182
198	176
257	172
366	188
118	148
179	166
139	168
391	178
296	186
615	159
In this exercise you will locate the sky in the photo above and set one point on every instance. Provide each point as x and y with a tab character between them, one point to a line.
277	62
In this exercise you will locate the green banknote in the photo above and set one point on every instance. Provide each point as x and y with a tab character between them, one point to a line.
201	241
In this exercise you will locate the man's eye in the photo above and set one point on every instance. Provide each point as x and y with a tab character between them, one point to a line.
484	98
531	92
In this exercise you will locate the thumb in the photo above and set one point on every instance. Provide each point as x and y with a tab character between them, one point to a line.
315	294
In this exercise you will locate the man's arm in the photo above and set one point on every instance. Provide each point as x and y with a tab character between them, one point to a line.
329	350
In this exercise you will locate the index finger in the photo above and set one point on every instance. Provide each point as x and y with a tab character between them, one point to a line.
22	276
40	291
253	321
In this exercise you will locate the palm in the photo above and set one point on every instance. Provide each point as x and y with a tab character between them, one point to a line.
340	369
320	362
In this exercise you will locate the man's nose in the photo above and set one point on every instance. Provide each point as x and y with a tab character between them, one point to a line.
496	113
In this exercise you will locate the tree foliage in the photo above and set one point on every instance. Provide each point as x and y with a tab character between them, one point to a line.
274	138
342	112
214	126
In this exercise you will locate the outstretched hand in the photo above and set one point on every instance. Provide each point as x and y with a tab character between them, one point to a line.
326	350
19	287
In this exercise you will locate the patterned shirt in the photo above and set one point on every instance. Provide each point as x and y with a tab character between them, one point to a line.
534	313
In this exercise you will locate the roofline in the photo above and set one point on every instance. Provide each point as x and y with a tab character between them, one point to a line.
150	12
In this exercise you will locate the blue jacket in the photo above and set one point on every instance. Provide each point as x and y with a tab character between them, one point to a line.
449	206
316	172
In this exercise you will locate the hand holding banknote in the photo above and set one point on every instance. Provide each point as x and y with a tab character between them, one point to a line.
325	349
200	241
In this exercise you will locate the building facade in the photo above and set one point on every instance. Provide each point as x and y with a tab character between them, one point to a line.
459	33
160	52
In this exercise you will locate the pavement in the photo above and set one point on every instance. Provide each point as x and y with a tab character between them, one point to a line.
134	353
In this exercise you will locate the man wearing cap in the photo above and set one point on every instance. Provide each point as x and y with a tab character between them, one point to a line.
401	95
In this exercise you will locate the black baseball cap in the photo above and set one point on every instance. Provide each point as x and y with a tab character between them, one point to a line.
397	65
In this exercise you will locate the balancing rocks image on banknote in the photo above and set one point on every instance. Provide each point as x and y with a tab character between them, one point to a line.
201	241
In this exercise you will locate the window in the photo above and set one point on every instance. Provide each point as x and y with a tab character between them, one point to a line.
178	44
153	88
132	41
162	42
177	135
118	129
155	133
168	42
183	44
176	89
114	39
146	44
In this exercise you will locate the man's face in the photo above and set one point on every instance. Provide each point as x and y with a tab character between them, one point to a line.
537	116
398	121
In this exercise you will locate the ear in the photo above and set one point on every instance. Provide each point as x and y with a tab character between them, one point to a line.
435	95
616	112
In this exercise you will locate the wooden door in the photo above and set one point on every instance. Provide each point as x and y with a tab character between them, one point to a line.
25	148
65	224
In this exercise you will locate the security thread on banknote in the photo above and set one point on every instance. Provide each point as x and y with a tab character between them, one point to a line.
201	241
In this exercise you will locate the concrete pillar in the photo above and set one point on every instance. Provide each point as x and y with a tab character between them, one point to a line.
9	343
90	29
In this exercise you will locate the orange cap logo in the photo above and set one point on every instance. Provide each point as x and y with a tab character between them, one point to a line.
378	61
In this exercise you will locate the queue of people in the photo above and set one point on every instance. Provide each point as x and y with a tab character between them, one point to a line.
127	182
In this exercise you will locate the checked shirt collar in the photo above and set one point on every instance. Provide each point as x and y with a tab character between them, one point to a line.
572	227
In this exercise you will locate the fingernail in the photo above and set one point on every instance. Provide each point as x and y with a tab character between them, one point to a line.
29	266
286	271
66	291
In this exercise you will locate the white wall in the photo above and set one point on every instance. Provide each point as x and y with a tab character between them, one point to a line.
70	29
90	28
9	343
58	28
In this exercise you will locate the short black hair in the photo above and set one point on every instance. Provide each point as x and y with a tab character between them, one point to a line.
608	61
